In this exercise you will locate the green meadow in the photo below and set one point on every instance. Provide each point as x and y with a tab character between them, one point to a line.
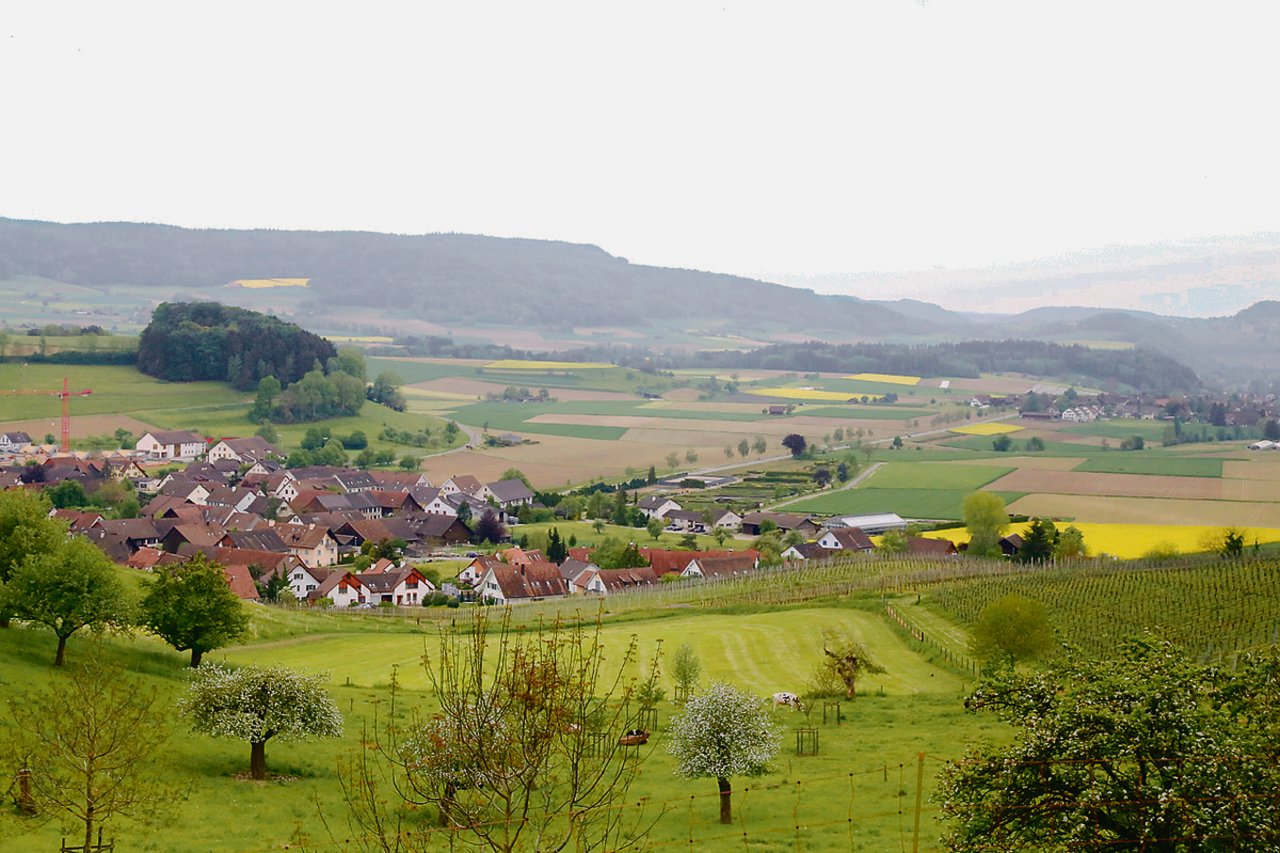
857	793
849	796
1142	462
213	408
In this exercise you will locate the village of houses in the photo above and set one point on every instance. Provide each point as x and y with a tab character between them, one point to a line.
235	502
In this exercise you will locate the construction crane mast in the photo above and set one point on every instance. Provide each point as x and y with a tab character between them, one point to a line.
65	396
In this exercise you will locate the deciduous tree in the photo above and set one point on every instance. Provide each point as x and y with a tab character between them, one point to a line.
686	669
1070	544
795	443
67	589
489	528
191	606
25	529
849	661
523	754
1140	751
723	732
986	520
1012	628
257	705
89	744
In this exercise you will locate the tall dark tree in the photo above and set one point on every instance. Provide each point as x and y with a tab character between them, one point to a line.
1038	542
489	528
795	443
557	552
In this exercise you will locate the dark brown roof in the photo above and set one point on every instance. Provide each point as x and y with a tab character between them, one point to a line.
851	539
620	579
534	580
724	567
921	546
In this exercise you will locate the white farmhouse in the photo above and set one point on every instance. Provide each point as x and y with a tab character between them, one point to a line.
181	445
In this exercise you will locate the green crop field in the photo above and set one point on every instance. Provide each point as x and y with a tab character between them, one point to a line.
418	371
1144	462
500	417
1151	431
933	475
116	390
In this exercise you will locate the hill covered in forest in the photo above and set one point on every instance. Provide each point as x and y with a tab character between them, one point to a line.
443	277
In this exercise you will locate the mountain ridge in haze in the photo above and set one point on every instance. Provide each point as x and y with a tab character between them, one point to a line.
392	282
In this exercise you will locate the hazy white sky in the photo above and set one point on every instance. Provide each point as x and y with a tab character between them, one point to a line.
741	137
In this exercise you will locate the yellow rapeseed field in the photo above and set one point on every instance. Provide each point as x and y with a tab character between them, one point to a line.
888	378
522	364
1129	541
273	282
990	428
800	394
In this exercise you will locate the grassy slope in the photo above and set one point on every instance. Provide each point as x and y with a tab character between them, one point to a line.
919	711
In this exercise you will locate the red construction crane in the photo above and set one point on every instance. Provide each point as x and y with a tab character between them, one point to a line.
65	395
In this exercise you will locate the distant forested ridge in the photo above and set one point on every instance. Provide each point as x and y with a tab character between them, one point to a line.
440	277
1138	369
188	341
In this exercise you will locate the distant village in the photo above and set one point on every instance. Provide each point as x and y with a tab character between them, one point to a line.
343	537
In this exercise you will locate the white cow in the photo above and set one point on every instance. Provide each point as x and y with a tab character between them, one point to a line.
789	700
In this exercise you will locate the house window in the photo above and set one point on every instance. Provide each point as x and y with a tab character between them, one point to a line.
411	585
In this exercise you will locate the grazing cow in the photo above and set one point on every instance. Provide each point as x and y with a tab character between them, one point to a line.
634	737
790	700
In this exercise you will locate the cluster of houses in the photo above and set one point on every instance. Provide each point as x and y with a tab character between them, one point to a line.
1243	410
520	574
234	501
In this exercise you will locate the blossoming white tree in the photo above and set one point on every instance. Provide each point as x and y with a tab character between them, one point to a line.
723	732
257	704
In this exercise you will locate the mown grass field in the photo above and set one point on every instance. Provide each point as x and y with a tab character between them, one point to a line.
933	475
913	707
1119	428
1140	462
856	794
